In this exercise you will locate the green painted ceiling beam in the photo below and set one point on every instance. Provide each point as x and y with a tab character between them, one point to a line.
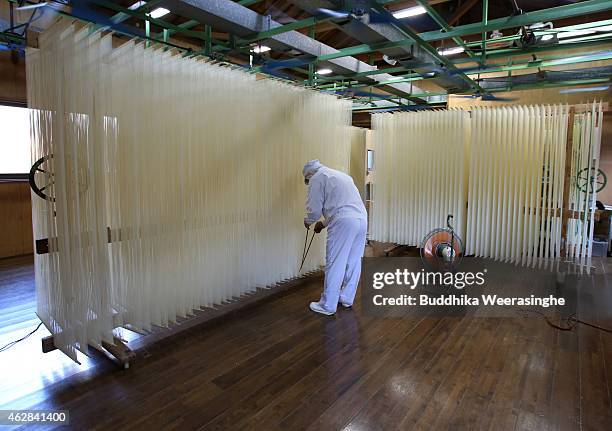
378	84
184	26
506	53
551	84
296	25
130	35
429	49
358	49
157	21
514	52
363	49
589	6
560	12
549	61
543	84
483	37
584	26
248	3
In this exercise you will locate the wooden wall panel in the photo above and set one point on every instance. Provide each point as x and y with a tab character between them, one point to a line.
357	164
605	158
15	219
12	79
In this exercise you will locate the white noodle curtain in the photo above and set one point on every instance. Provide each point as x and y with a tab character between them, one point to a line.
506	164
421	174
586	146
192	169
517	169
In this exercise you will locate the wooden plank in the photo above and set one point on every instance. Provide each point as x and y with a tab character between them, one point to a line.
44	245
15	219
120	351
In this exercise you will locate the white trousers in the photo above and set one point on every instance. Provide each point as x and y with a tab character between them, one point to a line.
346	239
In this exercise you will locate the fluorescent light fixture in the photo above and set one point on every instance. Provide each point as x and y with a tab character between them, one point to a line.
547	37
452	51
411	11
159	12
259	49
584	90
573	33
324	71
137	5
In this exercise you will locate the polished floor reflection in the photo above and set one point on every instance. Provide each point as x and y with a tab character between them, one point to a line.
279	366
25	369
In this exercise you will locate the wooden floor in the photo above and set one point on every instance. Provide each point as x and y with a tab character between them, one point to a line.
281	367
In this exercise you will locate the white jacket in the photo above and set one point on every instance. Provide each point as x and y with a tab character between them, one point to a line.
332	194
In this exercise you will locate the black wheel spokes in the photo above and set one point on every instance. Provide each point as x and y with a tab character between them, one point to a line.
589	183
32	179
48	185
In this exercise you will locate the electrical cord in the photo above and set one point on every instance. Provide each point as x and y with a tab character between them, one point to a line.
12	343
570	322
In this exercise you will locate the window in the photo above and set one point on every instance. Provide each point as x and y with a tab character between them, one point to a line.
370	160
14	140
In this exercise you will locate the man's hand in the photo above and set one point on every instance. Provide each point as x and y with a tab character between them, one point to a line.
319	227
306	224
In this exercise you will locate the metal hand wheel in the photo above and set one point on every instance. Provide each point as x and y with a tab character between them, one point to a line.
41	178
596	180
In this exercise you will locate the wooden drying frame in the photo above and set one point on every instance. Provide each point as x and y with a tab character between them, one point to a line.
203	318
125	355
567	213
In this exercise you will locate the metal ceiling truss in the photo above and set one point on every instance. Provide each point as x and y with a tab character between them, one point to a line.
246	27
245	23
505	53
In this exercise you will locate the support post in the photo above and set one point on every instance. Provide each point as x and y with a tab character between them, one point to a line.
311	66
485	21
207	40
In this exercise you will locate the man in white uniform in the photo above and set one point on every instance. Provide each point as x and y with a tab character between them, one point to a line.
333	195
